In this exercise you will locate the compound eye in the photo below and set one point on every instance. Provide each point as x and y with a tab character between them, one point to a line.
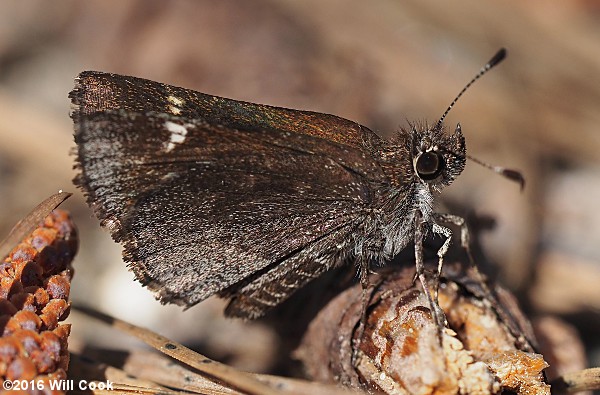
429	165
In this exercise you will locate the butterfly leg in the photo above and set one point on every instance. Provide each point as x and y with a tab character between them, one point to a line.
465	238
447	234
363	267
488	293
465	242
436	311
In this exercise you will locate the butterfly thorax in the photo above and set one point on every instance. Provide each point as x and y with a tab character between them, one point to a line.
417	164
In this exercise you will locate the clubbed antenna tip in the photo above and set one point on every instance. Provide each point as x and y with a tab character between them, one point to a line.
497	58
511	174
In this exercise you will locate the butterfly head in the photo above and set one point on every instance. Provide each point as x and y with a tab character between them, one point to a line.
438	157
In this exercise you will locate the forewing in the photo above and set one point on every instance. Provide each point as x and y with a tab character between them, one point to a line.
97	91
201	207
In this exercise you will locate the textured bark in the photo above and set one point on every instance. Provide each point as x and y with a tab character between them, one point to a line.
487	347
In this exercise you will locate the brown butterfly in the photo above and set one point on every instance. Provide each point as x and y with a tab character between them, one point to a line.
251	202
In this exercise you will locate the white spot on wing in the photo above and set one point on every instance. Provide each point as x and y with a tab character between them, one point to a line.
176	102
178	133
174	110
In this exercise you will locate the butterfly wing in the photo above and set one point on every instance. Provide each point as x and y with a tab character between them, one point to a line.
203	208
98	91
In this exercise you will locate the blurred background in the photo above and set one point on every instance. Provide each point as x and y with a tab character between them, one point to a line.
379	63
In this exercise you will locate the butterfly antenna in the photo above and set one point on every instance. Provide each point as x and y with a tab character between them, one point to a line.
513	175
497	58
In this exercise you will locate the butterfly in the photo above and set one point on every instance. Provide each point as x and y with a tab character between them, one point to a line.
213	196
